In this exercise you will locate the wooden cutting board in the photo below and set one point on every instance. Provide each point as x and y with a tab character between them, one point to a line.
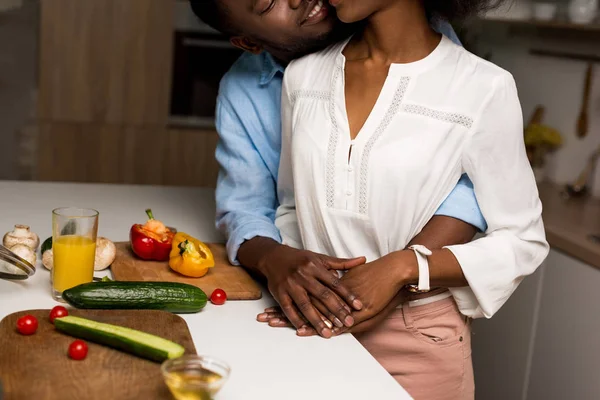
236	282
38	367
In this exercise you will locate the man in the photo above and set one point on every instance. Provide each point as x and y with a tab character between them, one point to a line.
274	32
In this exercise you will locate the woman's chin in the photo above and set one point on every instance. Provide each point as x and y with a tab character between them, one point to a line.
349	15
348	18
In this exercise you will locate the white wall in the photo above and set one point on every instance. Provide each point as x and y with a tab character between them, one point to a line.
555	83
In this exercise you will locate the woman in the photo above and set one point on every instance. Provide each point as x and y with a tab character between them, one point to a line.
377	130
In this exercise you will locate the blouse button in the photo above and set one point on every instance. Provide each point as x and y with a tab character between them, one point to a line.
350	169
348	193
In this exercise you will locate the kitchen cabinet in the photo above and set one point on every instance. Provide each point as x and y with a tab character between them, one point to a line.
75	152
566	354
105	72
502	345
542	345
105	61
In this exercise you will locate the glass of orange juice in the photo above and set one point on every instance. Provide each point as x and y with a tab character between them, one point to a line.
74	232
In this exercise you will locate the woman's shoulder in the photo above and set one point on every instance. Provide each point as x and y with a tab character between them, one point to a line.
481	72
314	71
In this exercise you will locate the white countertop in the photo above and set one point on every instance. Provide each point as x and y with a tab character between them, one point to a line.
266	363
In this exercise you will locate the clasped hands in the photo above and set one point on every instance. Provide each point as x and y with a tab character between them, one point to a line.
314	300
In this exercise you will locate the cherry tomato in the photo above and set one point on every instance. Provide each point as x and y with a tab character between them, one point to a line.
78	350
218	297
58	312
27	325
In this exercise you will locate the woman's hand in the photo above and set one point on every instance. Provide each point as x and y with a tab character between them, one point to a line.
378	282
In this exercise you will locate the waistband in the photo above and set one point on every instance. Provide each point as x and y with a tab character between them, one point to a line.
429	300
421	299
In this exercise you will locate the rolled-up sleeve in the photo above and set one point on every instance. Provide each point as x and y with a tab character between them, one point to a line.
246	194
515	244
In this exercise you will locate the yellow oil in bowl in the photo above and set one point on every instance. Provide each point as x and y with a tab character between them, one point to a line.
195	377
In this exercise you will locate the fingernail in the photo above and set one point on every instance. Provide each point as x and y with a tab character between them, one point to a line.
263	315
349	321
328	323
271	309
275	320
301	331
338	323
357	304
326	333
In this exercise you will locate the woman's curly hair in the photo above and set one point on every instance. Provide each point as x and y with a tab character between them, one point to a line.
452	10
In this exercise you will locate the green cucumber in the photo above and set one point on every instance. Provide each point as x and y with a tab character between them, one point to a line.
129	340
167	296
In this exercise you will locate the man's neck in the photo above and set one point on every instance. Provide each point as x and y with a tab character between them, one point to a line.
400	33
282	58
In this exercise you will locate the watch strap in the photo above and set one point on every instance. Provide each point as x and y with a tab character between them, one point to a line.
422	252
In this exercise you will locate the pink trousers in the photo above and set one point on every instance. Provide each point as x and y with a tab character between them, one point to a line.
427	349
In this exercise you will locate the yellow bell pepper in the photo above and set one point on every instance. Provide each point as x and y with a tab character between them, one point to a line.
189	256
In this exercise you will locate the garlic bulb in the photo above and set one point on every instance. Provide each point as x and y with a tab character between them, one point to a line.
25	253
21	235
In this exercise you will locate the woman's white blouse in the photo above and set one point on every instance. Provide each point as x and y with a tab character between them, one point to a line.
435	119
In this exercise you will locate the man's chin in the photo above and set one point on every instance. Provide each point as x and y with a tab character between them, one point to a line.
333	33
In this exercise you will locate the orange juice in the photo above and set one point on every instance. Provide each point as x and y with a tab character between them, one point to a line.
73	261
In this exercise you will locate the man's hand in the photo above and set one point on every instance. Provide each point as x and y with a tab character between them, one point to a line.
275	318
298	278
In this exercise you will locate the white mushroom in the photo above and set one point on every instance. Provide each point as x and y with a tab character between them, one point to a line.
25	253
21	235
48	259
106	251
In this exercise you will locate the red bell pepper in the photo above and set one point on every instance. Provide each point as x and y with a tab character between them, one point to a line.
151	241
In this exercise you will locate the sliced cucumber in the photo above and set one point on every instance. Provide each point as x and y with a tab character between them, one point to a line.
129	340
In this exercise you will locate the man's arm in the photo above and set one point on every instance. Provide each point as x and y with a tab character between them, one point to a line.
462	204
246	195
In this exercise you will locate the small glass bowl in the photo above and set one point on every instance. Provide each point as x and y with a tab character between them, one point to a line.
195	377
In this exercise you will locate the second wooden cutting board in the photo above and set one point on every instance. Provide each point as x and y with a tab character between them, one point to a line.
235	281
37	366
